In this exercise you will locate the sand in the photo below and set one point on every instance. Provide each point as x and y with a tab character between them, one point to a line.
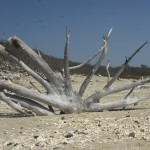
120	130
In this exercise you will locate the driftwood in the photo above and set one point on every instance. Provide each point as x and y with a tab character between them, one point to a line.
59	92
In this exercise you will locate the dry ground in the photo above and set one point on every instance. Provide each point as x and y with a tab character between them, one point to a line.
119	130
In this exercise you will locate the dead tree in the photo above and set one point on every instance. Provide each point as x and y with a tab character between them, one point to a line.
59	92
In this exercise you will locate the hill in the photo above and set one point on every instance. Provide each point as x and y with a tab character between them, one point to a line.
57	65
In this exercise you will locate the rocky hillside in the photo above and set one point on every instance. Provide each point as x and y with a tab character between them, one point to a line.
57	65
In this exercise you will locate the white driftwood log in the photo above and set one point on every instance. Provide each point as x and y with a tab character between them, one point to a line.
59	92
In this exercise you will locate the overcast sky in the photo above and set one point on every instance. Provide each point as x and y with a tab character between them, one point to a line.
41	24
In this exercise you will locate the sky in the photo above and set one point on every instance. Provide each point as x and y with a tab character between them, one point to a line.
42	24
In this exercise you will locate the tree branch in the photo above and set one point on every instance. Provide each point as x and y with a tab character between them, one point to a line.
91	74
130	92
107	68
52	100
30	105
85	62
68	86
123	67
43	82
95	107
98	95
12	104
16	43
